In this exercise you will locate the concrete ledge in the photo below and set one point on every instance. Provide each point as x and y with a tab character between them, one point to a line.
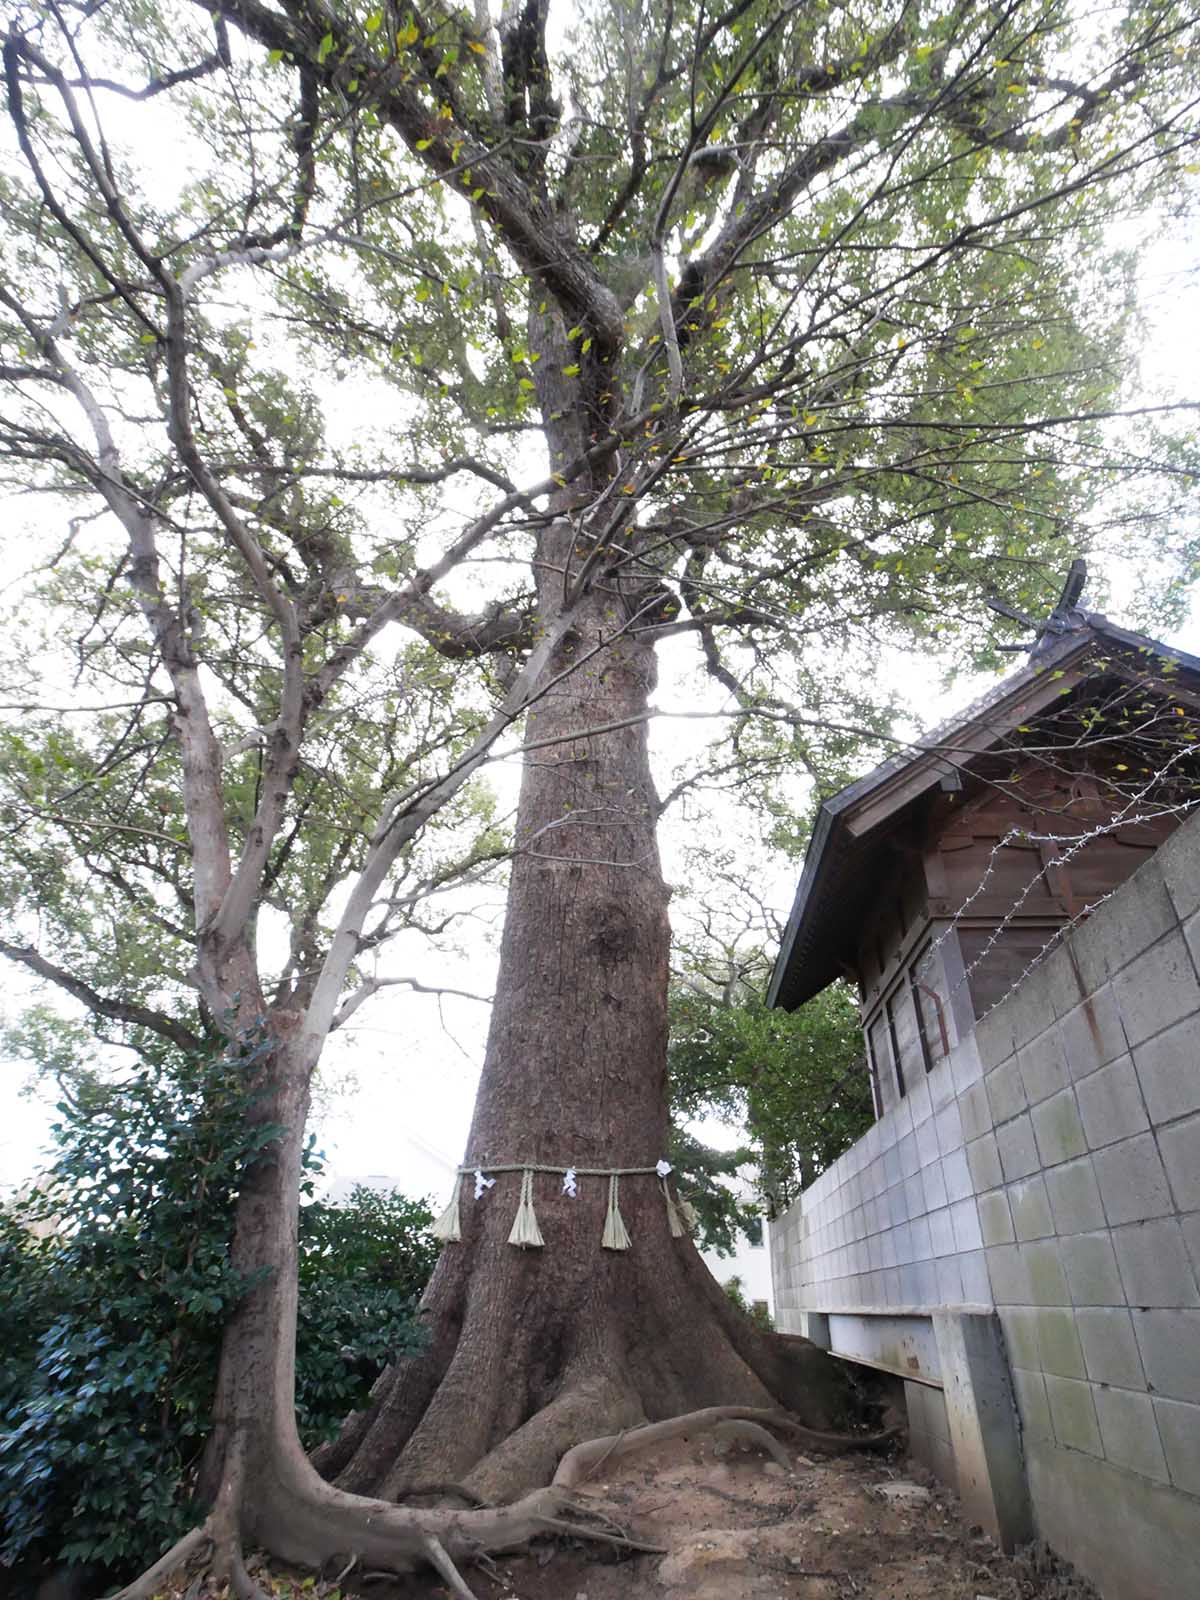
923	1309
904	1346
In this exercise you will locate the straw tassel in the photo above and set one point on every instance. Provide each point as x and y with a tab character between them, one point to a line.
616	1236
689	1214
447	1228
525	1230
674	1219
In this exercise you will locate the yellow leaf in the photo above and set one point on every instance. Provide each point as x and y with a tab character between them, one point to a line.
479	49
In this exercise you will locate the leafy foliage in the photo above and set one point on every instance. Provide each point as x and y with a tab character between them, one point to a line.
735	1291
363	1265
796	1080
710	1181
115	1287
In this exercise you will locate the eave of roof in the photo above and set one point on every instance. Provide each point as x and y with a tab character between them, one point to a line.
807	963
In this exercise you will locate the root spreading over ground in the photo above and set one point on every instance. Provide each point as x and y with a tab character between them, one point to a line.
312	1522
712	1513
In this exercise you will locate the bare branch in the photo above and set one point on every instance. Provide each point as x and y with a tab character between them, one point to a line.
372	986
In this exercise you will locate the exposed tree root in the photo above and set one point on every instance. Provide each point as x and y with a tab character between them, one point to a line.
754	1434
581	1462
843	1441
180	1553
418	1491
600	1400
577	1530
242	1584
446	1568
302	1519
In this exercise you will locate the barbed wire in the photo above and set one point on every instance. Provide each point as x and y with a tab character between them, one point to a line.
1075	843
1151	802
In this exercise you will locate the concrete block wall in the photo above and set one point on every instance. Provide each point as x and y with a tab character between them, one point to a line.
894	1225
929	1431
1075	1108
1086	1153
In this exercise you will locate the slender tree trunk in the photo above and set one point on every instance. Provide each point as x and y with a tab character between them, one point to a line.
262	1488
533	1349
254	1411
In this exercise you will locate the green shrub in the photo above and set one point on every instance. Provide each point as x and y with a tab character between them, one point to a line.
735	1290
363	1266
111	1319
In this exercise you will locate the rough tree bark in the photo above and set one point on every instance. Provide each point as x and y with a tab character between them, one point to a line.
532	1350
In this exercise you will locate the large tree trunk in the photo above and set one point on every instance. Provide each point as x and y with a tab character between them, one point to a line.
533	1349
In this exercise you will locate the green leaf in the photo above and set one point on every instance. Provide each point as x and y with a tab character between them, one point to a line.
325	47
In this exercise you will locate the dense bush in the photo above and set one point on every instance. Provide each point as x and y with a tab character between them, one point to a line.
363	1265
115	1284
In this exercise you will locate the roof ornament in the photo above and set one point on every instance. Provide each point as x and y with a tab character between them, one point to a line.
1067	616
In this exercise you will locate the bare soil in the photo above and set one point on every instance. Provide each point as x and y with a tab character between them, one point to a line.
735	1525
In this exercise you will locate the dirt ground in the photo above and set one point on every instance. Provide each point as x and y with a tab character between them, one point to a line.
738	1526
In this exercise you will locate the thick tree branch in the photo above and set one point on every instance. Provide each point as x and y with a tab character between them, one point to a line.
130	1011
200	750
230	917
536	236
